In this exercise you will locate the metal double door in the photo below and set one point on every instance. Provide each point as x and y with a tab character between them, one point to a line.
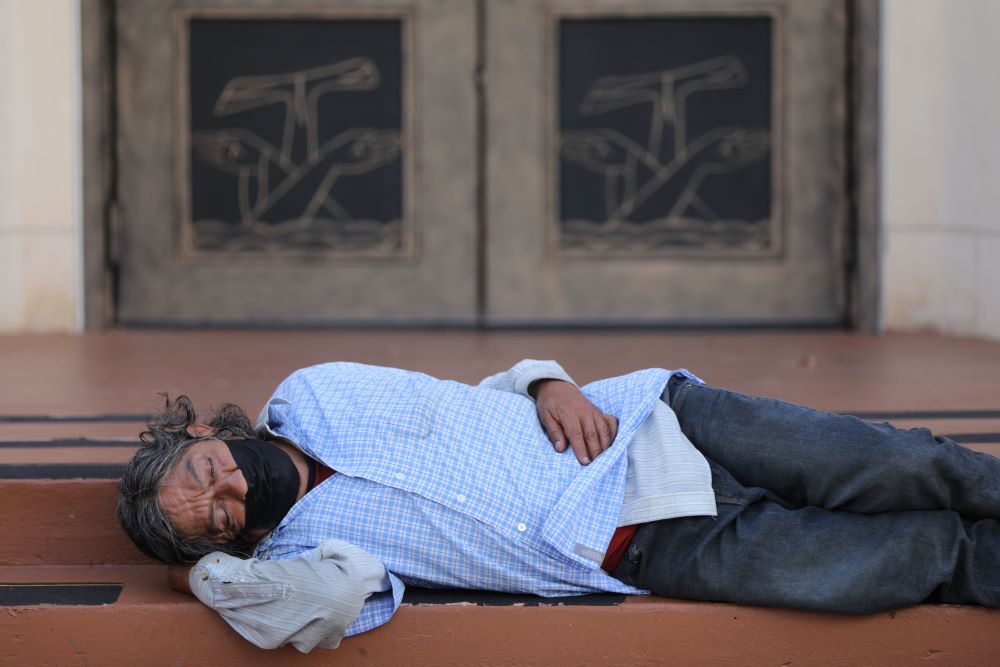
460	162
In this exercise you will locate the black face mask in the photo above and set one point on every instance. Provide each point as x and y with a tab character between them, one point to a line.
272	481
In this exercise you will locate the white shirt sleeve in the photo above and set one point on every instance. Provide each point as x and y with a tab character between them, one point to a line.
307	602
523	373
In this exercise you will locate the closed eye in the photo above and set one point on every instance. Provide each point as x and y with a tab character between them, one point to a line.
226	523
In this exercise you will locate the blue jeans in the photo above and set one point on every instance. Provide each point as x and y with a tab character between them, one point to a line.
823	511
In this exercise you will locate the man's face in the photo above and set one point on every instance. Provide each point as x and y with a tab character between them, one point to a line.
204	495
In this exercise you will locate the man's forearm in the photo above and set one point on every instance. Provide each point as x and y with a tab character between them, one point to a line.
177	577
535	386
307	601
524	373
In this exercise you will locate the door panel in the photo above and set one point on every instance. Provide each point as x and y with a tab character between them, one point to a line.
293	162
307	162
678	162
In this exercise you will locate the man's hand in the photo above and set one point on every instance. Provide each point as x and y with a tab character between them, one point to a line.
177	577
568	416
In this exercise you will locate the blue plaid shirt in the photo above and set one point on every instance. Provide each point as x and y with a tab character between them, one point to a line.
451	485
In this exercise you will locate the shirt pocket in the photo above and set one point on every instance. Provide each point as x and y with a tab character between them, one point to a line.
236	594
405	413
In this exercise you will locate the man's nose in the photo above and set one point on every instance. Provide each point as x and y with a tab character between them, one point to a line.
234	484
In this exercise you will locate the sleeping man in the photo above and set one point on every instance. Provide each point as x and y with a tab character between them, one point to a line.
359	480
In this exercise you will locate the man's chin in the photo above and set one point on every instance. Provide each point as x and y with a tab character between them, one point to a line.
256	535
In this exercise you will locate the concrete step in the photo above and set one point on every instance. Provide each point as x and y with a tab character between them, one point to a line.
57	451
99	386
70	522
62	522
121	371
151	625
67	487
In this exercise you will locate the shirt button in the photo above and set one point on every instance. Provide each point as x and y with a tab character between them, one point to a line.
521	527
460	498
399	475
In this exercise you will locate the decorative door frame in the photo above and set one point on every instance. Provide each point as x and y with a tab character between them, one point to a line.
101	224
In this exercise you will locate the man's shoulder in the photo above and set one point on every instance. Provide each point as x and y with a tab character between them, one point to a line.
341	373
350	369
344	379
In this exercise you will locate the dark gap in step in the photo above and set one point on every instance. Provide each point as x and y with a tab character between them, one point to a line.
929	414
973	437
114	470
75	592
421	596
67	442
62	470
44	419
884	414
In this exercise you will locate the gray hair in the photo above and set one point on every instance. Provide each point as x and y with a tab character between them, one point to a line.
160	448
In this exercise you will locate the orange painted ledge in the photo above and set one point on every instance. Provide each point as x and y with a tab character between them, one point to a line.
150	625
62	522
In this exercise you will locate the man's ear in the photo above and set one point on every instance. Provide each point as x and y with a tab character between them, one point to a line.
199	430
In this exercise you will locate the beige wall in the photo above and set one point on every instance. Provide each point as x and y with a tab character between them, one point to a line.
941	165
940	171
40	188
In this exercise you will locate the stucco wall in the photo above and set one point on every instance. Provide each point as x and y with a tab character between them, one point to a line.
941	165
40	186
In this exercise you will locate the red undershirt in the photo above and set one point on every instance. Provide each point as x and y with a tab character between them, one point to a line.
319	475
616	549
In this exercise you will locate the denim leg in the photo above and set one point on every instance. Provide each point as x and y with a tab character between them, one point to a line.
760	552
820	459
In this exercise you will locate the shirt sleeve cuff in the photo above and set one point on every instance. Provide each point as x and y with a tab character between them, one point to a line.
210	570
203	573
529	371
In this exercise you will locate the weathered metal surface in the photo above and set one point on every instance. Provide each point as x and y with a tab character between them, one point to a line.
534	278
428	272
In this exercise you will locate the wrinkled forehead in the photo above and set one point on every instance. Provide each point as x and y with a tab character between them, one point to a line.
203	446
187	468
185	492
